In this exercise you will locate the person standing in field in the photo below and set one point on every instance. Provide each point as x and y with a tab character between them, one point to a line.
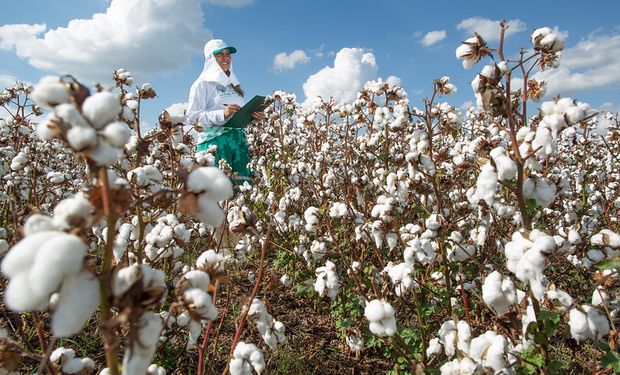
213	98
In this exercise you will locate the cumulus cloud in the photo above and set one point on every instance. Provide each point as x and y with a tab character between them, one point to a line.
284	61
353	67
433	37
143	36
488	29
231	3
592	63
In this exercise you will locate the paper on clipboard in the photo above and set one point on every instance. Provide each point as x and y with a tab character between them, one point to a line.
243	116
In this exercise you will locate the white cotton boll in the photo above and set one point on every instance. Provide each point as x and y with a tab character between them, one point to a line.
434	347
38	223
457	366
138	357
486	184
101	108
59	257
81	138
210	212
70	115
198	279
499	293
506	167
20	298
564	299
211	259
200	302
104	154
49	92
587	322
155	370
117	134
600	296
22	255
76	211
210	181
606	237
338	210
489	71
79	299
374	310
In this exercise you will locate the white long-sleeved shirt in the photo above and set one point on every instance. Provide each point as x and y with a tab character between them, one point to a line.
209	95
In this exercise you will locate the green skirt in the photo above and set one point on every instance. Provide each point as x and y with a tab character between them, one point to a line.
232	147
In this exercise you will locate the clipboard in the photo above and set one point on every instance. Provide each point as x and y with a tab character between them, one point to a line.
243	116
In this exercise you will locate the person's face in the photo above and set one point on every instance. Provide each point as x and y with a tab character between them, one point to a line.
224	59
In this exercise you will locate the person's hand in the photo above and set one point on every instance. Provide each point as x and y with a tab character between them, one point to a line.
258	116
230	110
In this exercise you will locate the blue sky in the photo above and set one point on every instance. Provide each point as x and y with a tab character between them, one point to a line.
302	47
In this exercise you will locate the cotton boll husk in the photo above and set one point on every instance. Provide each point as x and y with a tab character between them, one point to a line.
101	108
81	138
210	212
21	256
210	181
38	223
117	134
79	299
59	257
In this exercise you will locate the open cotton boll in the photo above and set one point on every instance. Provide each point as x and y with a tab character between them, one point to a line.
506	167
606	237
211	259
380	314
61	256
155	370
101	108
74	212
49	92
563	299
210	181
117	134
586	322
79	299
326	277
210	212
22	255
104	153
139	355
69	114
81	138
200	303
499	293
38	223
245	358
20	298
197	279
464	366
489	349
486	184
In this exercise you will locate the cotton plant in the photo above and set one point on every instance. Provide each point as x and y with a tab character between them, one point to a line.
270	329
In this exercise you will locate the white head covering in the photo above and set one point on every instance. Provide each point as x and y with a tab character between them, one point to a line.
212	70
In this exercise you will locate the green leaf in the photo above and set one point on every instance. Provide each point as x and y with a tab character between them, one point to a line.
611	360
611	263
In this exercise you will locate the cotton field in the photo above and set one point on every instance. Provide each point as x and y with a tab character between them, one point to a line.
425	237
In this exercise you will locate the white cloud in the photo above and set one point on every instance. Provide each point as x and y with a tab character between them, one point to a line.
231	3
592	63
353	67
284	61
488	29
143	36
433	37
